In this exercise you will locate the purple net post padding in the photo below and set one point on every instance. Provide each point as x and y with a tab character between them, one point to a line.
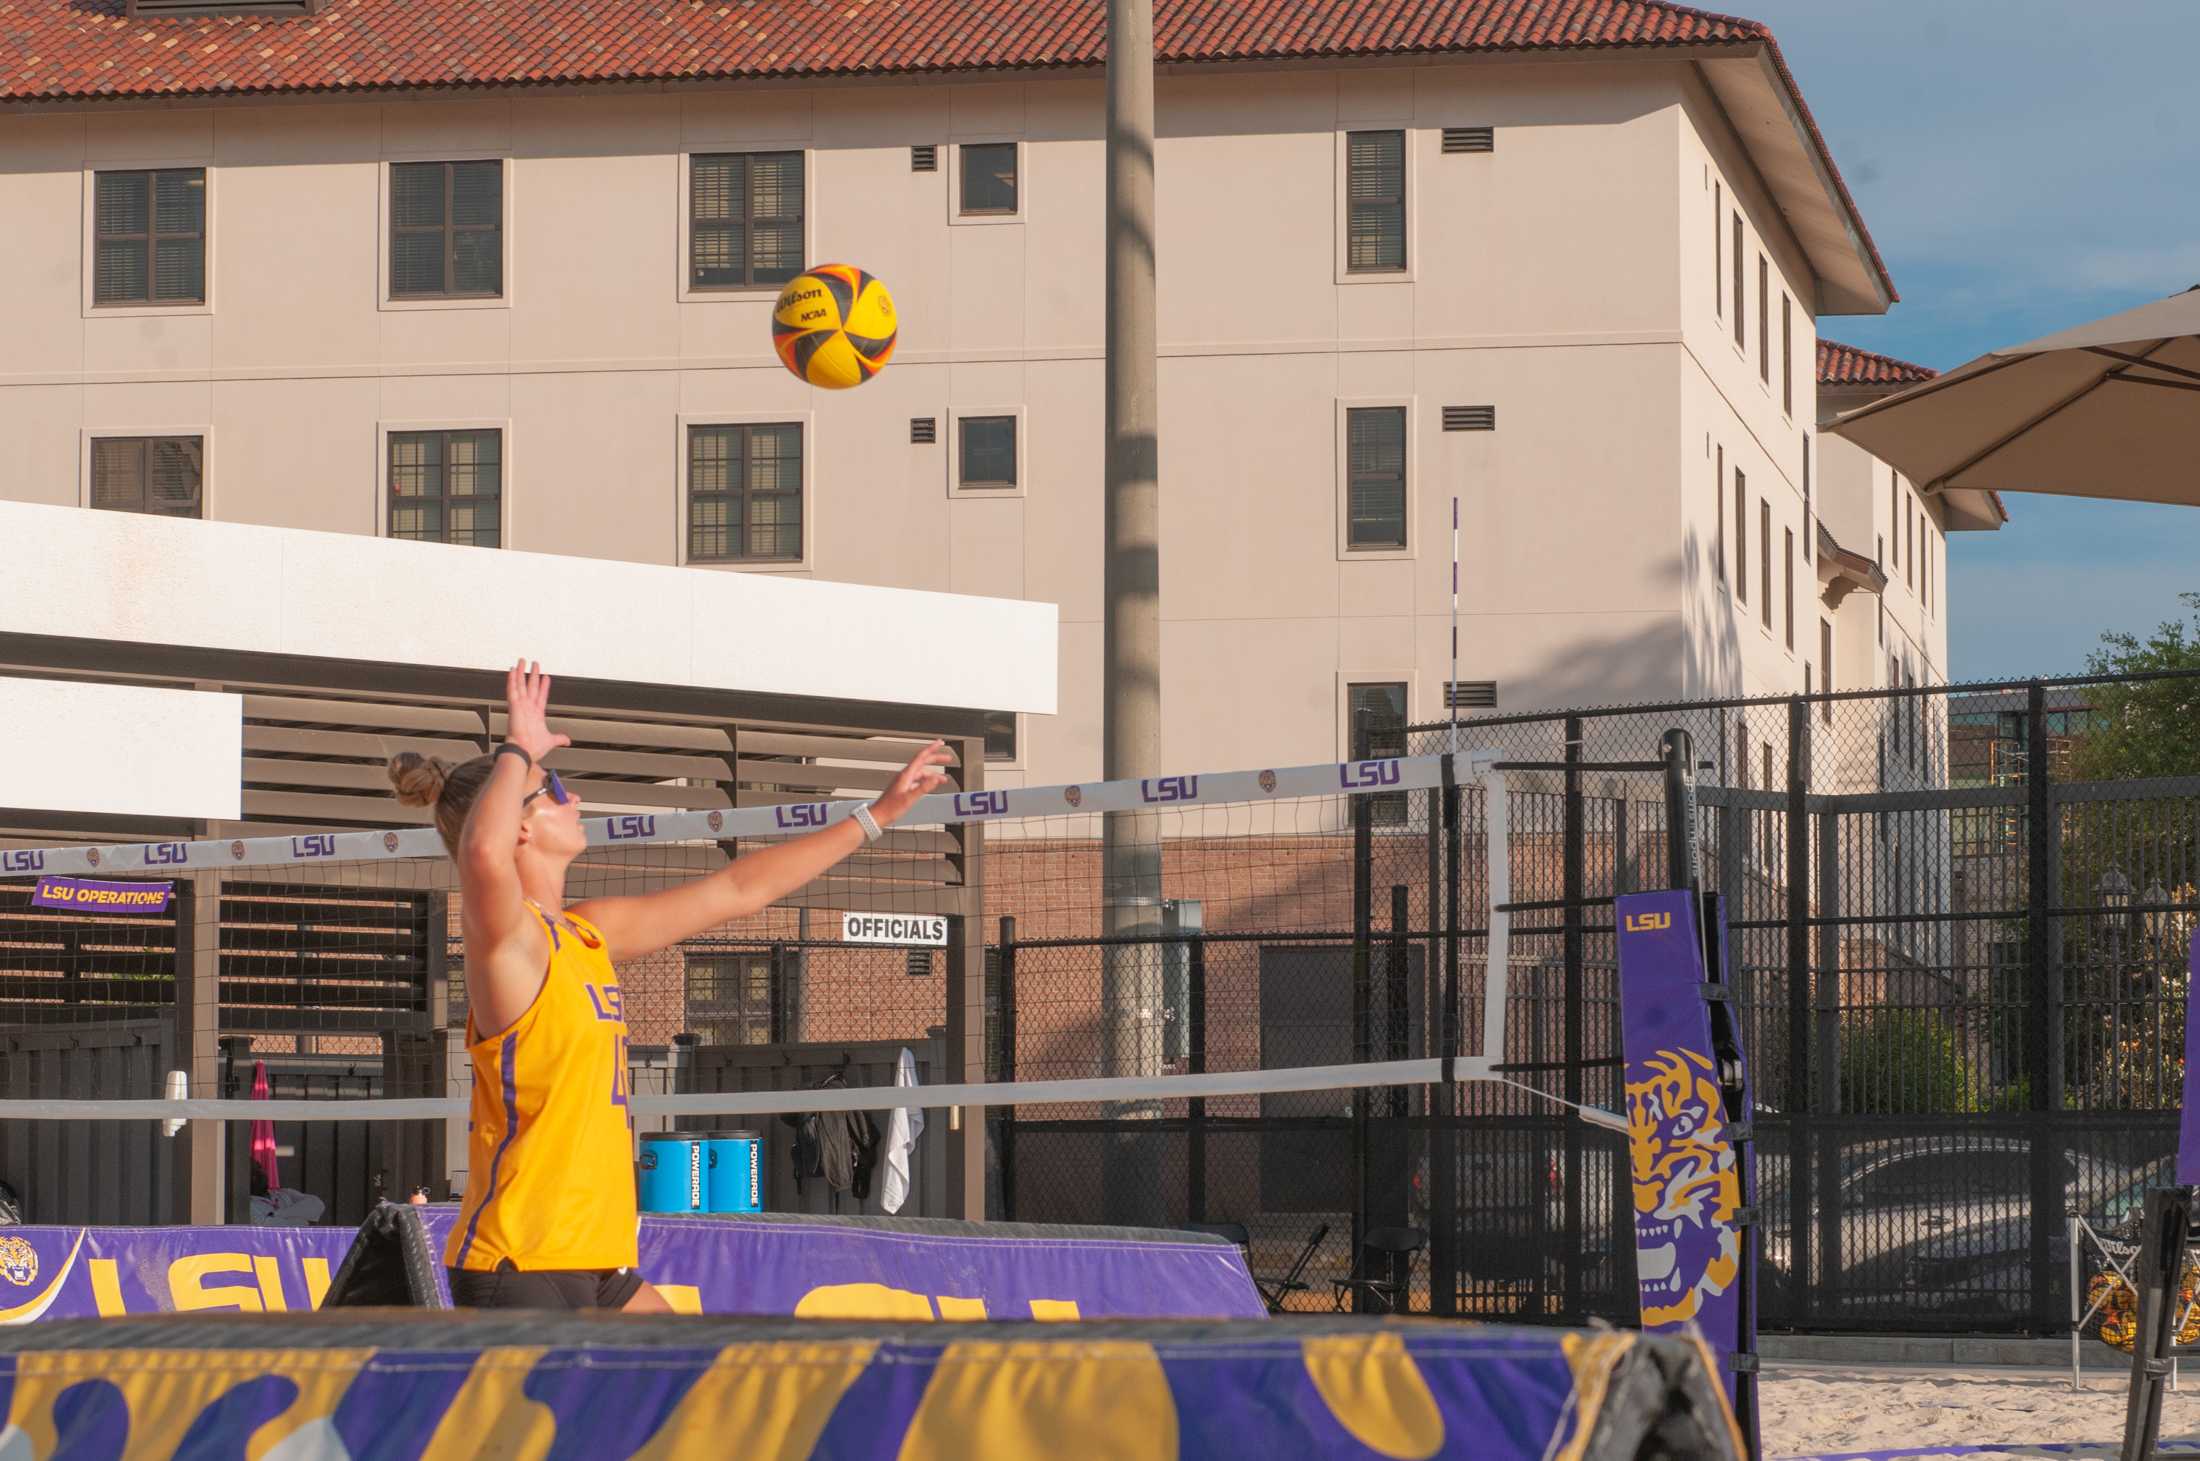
2188	1123
1687	1173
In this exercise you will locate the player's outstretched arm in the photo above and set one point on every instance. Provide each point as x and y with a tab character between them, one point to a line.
647	922
505	944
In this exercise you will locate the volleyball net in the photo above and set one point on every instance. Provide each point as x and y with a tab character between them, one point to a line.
1298	971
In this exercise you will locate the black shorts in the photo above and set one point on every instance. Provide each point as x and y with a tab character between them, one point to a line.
507	1287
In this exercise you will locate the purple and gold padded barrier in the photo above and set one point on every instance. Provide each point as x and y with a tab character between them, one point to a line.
400	1385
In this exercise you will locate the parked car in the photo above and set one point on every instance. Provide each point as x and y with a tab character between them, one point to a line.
1935	1223
1992	1268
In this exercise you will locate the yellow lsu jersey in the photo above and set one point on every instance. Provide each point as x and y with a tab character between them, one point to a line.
550	1149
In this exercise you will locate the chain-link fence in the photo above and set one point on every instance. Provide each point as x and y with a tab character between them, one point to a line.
1958	919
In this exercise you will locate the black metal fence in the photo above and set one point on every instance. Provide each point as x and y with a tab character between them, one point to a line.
1958	918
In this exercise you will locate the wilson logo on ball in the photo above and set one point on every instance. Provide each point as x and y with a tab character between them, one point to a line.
834	326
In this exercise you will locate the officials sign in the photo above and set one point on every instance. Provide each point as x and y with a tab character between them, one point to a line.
894	928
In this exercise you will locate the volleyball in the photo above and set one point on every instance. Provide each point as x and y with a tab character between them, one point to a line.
834	326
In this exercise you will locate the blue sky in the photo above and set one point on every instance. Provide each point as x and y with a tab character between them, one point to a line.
2024	166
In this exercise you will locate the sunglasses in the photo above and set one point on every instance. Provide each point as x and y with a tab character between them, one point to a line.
552	787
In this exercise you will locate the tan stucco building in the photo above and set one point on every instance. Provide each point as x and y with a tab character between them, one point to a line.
268	273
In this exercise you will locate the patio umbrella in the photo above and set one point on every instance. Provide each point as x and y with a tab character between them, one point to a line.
2109	409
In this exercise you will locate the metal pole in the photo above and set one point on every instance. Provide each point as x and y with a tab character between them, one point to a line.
1363	921
1451	694
2044	991
1131	583
1574	872
1007	1154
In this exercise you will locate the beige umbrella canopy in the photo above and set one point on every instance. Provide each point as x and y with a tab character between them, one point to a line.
2110	409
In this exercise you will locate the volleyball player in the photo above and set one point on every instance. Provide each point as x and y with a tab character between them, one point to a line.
549	1220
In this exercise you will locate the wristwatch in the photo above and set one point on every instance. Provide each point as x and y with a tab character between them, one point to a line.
871	830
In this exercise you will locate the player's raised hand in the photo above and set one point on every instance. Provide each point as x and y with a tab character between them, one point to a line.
922	776
527	710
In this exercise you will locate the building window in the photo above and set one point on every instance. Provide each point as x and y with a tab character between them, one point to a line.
729	998
1718	516
446	230
1825	675
1718	250
1764	320
149	237
1787	354
1909	554
1377	727
447	486
1764	562
1000	735
744	220
1740	341
1894	510
1375	200
1790	568
988	452
160	475
1375	472
1809	518
745	493
1741	537
1741	755
988	178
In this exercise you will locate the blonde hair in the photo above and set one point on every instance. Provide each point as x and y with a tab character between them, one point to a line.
431	781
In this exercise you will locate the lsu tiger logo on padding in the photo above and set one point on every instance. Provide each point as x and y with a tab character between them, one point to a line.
18	1262
1687	1184
834	326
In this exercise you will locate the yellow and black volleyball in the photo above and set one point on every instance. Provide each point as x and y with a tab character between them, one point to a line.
834	326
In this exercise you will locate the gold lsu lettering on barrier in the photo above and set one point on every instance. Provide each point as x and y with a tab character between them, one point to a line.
1648	922
201	1281
190	1288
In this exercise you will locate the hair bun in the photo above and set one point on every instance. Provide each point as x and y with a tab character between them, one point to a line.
419	779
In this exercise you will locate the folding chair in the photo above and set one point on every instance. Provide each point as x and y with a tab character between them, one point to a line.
1277	1290
1380	1252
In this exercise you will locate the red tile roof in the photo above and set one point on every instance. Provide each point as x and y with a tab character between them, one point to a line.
1845	365
88	48
58	50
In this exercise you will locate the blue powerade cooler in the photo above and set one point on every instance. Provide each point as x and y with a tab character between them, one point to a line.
733	1179
672	1172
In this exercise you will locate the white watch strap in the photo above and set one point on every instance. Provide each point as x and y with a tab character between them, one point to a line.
869	824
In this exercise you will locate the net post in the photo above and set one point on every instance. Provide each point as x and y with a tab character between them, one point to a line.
1683	853
2161	1264
1444	1133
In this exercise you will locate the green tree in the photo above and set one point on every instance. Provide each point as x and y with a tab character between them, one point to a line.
2124	973
1904	1062
2144	727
